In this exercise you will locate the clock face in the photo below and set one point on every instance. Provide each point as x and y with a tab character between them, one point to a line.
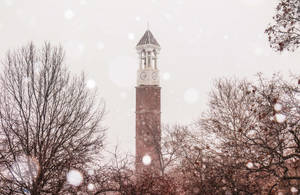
143	75
154	75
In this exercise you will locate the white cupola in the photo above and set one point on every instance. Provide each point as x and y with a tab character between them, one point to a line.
148	50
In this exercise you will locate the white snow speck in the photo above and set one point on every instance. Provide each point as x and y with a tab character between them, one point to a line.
138	18
251	133
69	14
38	66
168	16
100	45
294	190
250	165
277	107
91	172
74	177
226	37
180	28
83	2
146	160
91	187
191	96
9	3
280	118
80	47
166	76
90	84
131	36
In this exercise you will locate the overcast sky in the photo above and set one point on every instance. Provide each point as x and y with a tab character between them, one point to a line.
201	40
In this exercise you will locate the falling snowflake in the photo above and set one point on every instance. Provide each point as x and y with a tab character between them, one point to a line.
280	118
38	66
191	96
138	18
69	14
294	190
277	107
131	36
166	76
80	47
9	3
251	133
83	2
91	187
90	84
146	160
168	16
180	28
74	177
91	172
250	165
226	37
100	45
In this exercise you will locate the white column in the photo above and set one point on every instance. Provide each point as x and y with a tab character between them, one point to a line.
141	60
155	61
149	59
144	60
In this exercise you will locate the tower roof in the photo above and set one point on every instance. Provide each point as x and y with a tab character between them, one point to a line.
148	38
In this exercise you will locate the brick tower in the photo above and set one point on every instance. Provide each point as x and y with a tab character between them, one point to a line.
148	132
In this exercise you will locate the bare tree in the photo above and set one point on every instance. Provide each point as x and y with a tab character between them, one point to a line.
168	145
284	34
49	122
257	128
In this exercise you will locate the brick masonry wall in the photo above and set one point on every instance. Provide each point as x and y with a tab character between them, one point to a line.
148	127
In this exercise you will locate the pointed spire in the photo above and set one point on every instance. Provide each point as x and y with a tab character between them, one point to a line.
147	39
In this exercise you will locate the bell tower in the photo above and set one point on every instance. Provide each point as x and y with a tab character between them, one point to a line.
148	130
